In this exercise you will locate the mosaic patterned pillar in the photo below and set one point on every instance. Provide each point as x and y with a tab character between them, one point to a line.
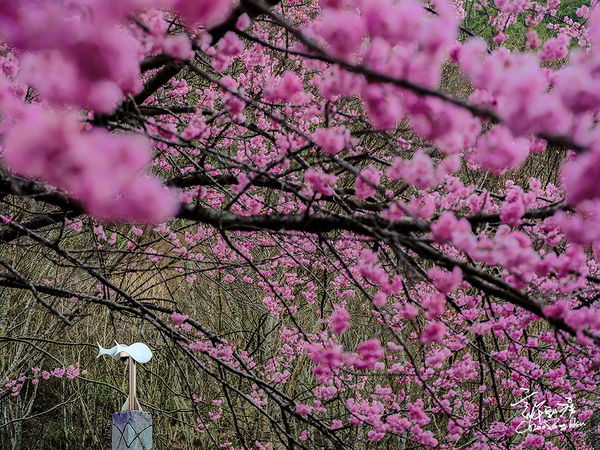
132	430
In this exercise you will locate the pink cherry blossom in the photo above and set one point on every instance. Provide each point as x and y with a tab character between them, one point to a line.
340	320
367	182
320	182
498	150
445	281
332	140
179	318
342	31
203	12
434	331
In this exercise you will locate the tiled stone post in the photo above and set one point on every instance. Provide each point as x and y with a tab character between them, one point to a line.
132	430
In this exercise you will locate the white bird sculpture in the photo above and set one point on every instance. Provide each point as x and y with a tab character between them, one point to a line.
137	352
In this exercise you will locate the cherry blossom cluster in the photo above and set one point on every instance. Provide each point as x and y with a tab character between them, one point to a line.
14	386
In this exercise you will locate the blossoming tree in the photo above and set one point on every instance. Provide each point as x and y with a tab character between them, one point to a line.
308	169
